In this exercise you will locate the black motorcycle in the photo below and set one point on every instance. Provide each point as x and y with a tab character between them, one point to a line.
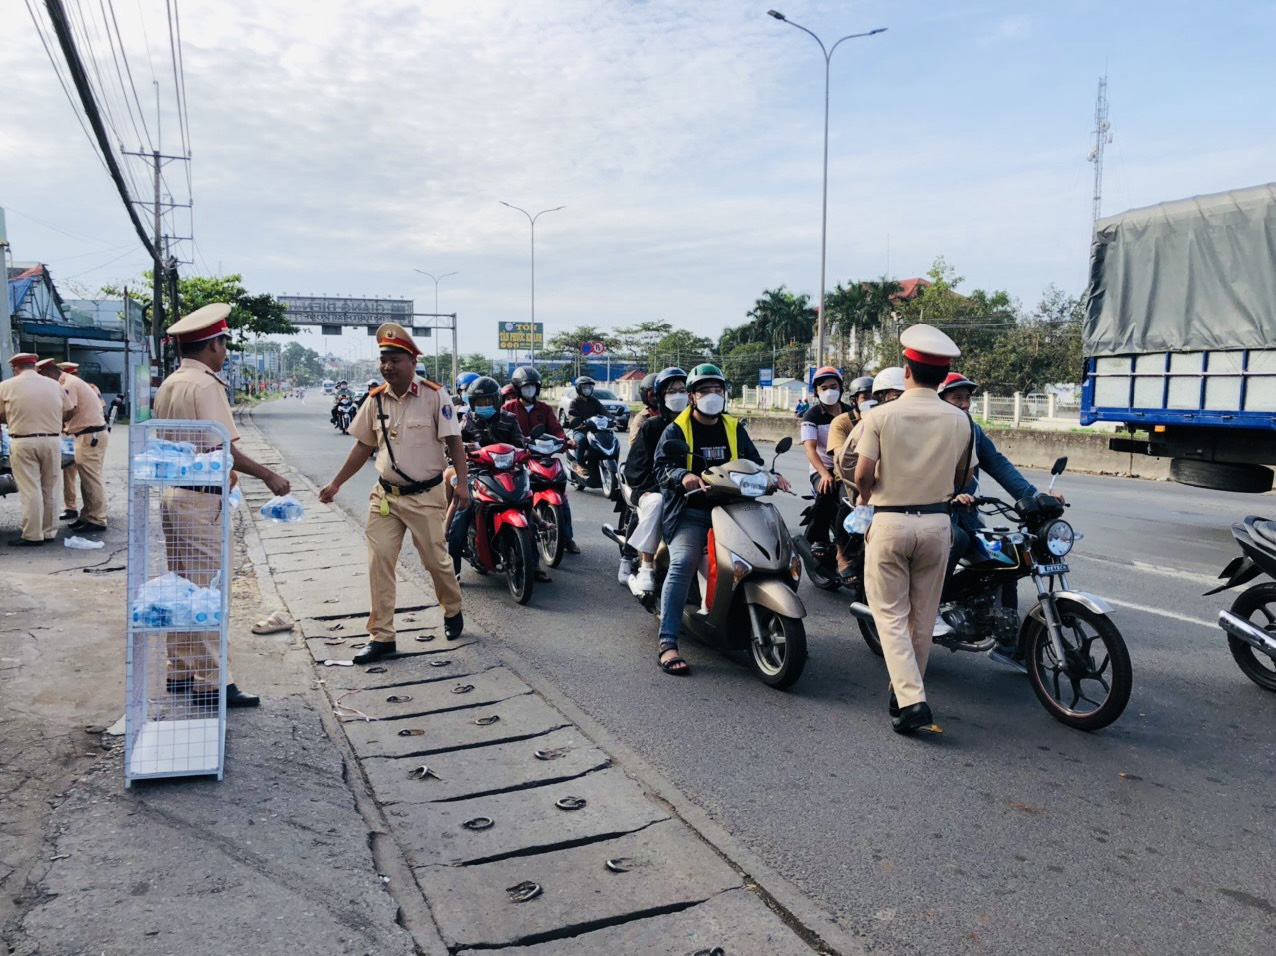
1076	659
819	549
600	455
1250	624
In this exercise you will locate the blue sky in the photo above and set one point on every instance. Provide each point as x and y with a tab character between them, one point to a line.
335	154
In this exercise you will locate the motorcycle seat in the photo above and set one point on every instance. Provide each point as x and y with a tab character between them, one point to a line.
1265	529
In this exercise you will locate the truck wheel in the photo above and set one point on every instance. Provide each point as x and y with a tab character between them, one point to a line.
1221	476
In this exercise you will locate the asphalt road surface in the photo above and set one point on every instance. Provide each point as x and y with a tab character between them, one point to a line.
1011	832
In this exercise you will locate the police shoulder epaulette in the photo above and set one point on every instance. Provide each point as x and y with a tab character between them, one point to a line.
435	386
378	389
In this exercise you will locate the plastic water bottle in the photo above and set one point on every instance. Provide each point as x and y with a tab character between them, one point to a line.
4	439
209	463
857	521
236	499
206	606
68	446
286	508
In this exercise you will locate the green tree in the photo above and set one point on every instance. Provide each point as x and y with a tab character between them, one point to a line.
681	348
741	364
639	341
303	365
260	314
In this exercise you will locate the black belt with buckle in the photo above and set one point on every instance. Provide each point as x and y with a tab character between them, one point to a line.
202	489
415	488
938	508
37	435
90	431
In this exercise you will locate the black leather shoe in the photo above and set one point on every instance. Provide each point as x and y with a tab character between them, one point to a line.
69	515
542	575
912	718
88	526
892	706
24	543
571	547
453	626
375	651
234	697
178	685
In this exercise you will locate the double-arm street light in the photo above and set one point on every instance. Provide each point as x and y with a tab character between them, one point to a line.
532	221
822	333
435	330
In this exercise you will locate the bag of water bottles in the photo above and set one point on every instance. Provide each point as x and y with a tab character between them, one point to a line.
283	508
4	440
164	459
858	520
68	446
171	600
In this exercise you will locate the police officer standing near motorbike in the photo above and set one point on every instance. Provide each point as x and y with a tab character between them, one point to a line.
914	454
408	423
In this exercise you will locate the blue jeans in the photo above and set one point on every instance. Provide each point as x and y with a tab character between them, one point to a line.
685	550
457	531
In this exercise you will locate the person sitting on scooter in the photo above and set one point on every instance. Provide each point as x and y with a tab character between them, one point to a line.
341	391
487	424
670	392
815	437
367	390
530	411
957	390
582	408
650	407
713	438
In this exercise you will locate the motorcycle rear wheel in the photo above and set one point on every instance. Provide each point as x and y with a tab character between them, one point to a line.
777	648
520	562
1253	663
1054	681
550	533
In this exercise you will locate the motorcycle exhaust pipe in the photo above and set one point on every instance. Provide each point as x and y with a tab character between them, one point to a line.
1241	629
612	535
861	610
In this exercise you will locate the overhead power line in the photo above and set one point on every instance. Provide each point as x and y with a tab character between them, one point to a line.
62	30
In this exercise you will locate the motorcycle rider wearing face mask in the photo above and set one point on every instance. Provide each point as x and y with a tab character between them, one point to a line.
815	436
530	411
714	438
670	391
487	424
583	407
650	406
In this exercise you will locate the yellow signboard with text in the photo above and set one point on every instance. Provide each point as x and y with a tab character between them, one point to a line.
520	335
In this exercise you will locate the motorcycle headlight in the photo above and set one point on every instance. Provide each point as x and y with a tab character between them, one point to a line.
1059	537
751	486
504	461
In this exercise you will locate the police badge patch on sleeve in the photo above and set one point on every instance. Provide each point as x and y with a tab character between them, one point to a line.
447	411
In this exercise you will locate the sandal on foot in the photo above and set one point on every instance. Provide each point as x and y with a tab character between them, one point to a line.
673	665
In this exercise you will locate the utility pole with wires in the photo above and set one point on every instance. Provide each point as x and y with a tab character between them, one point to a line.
1102	136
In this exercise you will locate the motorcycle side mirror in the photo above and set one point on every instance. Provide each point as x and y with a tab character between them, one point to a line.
785	443
537	432
1059	465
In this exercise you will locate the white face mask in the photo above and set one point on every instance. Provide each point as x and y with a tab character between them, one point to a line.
676	401
529	392
830	396
711	403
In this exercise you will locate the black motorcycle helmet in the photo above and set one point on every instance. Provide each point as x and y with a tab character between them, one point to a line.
585	386
485	390
526	375
647	391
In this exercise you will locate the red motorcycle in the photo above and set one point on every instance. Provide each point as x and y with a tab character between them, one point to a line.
549	496
500	536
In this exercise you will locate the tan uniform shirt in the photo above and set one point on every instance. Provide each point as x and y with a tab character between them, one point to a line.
88	407
839	431
195	392
417	423
33	404
918	441
636	423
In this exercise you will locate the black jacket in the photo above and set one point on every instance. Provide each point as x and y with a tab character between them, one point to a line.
671	469
501	427
582	408
640	473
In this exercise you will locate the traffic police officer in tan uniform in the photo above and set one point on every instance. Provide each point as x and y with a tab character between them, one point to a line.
410	425
87	426
34	409
192	517
915	453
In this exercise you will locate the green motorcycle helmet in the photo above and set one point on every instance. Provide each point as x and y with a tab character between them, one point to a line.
704	374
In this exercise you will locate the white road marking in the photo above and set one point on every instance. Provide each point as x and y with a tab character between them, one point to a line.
1161	612
1142	566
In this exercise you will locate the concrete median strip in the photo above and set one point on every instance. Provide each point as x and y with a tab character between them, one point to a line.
519	830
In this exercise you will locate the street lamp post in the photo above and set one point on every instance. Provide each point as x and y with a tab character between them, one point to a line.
437	280
822	333
532	221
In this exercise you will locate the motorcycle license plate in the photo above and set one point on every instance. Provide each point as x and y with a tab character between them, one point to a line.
1052	569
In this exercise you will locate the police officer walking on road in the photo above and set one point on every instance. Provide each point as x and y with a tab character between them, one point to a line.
87	427
408	423
192	516
34	409
915	453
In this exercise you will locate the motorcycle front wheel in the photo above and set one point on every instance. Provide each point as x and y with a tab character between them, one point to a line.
1090	687
520	562
608	481
550	535
819	573
777	648
1257	602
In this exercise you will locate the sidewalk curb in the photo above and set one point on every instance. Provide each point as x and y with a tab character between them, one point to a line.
817	929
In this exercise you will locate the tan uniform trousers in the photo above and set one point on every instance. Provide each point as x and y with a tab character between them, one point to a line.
422	515
904	565
192	522
36	464
88	469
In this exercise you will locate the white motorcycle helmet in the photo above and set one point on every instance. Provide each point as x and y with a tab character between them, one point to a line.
888	380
